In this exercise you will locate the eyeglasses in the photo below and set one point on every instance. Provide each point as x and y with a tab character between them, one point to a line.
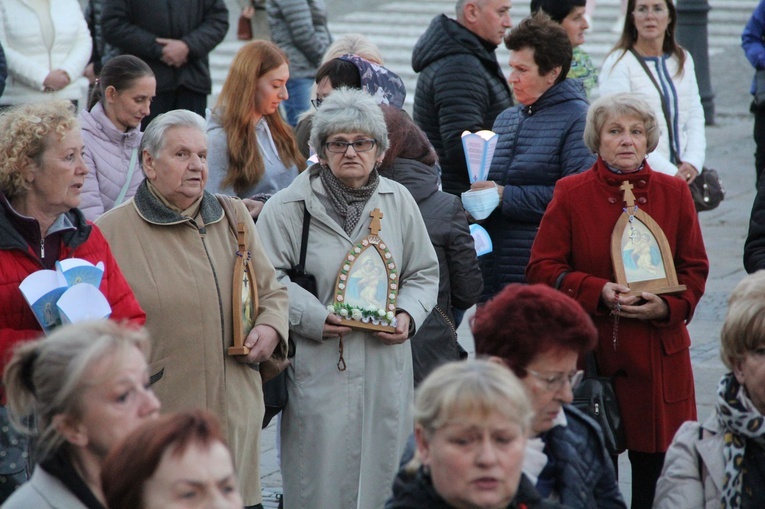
657	10
554	382
341	147
317	102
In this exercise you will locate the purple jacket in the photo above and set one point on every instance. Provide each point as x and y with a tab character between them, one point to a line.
107	154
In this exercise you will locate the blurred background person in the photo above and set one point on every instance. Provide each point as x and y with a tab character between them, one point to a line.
472	421
111	132
540	333
352	71
649	30
175	42
86	386
299	28
460	86
643	340
252	151
551	113
718	463
571	15
411	161
351	431
753	42
177	250
180	460
47	46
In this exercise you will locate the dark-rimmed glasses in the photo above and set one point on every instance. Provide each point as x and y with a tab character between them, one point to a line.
341	147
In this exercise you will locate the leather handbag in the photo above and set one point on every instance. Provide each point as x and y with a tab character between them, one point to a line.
707	190
244	29
595	397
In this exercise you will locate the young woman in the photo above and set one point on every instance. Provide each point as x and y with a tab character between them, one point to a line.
251	149
111	132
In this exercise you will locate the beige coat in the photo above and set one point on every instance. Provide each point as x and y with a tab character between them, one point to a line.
343	431
182	276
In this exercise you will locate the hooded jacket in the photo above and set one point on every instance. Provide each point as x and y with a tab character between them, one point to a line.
460	281
538	145
461	87
108	152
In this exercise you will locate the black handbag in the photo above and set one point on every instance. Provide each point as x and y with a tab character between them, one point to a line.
595	397
707	190
275	394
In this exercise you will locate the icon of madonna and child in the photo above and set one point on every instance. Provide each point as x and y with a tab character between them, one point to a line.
641	254
367	282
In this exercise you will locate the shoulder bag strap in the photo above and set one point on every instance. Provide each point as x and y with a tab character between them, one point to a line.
304	238
131	170
229	211
664	107
590	367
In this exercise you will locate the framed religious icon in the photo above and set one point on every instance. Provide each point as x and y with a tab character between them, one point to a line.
640	253
244	294
367	283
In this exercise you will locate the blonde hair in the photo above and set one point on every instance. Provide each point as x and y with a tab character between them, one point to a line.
744	328
619	105
23	131
354	44
474	387
47	377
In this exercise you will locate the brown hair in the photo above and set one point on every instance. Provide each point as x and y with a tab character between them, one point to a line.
523	321
629	35
405	139
235	107
549	41
129	465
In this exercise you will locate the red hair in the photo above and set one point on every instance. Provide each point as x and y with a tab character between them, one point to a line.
523	321
236	108
129	465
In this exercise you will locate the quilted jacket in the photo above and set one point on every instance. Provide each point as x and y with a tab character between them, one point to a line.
299	28
538	144
107	154
460	87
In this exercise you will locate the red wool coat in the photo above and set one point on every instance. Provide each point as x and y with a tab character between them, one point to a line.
651	363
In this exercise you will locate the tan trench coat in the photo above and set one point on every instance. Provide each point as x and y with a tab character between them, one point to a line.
343	431
182	276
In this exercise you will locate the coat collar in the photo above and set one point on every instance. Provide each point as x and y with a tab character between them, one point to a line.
96	122
154	211
710	451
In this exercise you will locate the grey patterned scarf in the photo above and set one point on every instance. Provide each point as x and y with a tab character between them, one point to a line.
347	201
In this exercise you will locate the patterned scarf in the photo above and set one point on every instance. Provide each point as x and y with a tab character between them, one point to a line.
740	421
347	201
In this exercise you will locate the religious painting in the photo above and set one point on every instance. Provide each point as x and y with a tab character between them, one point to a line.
640	252
367	284
244	295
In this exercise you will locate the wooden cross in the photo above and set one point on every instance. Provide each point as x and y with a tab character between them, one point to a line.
629	198
375	226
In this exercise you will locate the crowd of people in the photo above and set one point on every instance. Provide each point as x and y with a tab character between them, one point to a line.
306	220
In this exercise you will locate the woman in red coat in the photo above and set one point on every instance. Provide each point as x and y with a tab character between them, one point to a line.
644	344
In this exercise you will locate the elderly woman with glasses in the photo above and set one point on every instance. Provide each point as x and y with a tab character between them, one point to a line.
539	333
350	391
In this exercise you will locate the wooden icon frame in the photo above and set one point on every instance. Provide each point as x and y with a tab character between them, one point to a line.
244	296
666	282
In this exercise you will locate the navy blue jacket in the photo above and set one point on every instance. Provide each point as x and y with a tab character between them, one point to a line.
538	145
584	473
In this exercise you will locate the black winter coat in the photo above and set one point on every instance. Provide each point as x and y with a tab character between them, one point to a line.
417	492
460	281
461	87
754	248
538	145
134	25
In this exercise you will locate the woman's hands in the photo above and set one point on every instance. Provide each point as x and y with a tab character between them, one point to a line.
402	330
483	184
645	307
262	341
687	172
332	328
56	80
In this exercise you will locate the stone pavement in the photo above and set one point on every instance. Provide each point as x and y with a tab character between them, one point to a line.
729	150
